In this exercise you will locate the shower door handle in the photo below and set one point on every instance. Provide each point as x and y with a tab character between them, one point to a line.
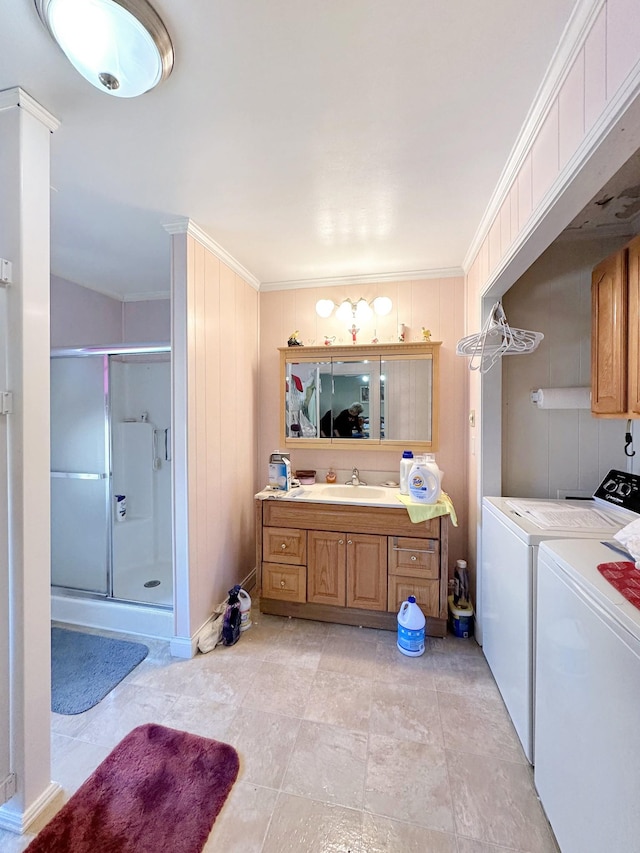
84	476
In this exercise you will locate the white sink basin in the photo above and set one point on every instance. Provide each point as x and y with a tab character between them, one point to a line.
356	493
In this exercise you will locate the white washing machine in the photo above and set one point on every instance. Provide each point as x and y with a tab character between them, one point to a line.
587	701
512	531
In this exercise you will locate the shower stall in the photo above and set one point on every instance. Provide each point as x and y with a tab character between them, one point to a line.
111	518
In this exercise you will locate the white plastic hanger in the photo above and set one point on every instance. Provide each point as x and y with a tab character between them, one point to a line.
496	339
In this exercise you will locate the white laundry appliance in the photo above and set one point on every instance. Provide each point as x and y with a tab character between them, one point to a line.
587	701
512	531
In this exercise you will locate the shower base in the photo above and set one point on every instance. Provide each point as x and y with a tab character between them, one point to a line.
112	615
140	583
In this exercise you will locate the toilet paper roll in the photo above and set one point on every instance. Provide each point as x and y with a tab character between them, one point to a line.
563	398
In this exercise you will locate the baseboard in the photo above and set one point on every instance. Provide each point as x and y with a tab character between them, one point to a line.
19	822
249	583
187	647
184	647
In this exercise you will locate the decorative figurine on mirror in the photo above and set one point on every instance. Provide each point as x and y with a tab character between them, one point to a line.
401	332
354	331
426	334
294	340
328	341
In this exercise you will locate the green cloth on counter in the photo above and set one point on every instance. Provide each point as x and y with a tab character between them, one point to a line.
423	512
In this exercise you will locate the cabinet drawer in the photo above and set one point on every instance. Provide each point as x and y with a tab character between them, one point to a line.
284	545
414	558
288	583
426	592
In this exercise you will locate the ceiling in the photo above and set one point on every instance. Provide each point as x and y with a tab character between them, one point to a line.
309	140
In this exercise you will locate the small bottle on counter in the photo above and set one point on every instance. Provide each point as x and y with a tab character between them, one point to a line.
331	476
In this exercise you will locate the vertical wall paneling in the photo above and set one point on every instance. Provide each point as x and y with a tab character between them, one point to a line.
595	70
623	42
221	354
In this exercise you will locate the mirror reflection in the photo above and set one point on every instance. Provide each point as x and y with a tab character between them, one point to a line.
385	395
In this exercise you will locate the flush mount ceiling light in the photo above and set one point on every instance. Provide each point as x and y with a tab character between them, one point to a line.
120	46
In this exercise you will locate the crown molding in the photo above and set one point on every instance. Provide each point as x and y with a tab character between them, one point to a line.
17	97
188	226
571	43
370	278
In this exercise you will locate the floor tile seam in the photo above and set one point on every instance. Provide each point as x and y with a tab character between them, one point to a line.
448	774
507	761
499	848
409	822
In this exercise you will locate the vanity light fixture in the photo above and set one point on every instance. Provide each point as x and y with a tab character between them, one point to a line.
120	46
352	312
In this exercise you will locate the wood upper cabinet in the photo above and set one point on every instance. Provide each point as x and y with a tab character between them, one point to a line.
615	347
633	324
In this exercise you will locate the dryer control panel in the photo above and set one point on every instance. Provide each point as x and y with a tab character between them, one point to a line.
620	489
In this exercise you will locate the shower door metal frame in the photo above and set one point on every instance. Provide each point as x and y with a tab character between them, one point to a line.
105	352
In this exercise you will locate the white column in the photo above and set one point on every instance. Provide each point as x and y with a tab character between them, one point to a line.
25	129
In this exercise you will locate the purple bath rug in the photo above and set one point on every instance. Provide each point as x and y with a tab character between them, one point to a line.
158	790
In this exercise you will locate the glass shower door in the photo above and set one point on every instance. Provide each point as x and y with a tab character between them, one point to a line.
80	479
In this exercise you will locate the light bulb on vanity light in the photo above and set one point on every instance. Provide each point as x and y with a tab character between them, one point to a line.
350	310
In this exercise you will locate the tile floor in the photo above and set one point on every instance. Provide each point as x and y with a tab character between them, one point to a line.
346	746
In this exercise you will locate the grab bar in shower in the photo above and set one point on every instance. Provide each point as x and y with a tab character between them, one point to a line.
70	476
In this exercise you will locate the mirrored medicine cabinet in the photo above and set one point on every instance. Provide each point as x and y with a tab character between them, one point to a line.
381	396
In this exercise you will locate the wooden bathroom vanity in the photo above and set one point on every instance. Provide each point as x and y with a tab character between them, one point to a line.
350	563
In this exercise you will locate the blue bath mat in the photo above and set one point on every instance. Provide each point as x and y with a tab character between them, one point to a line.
85	667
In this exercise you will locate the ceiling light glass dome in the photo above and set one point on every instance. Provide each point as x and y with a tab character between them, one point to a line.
120	46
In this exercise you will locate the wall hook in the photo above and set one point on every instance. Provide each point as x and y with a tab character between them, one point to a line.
628	441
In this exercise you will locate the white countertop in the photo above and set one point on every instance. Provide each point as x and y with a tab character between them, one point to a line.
337	493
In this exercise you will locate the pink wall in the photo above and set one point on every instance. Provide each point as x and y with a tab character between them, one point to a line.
220	325
437	304
81	317
147	322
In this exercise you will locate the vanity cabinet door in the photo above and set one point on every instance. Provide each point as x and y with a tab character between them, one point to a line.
326	577
366	571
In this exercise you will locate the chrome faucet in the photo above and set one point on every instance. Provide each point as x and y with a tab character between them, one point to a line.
355	479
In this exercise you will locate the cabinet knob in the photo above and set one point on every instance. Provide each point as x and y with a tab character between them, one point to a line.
340	541
283	583
413	557
283	546
349	542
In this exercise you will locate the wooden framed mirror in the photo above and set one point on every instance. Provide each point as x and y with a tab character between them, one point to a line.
378	396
